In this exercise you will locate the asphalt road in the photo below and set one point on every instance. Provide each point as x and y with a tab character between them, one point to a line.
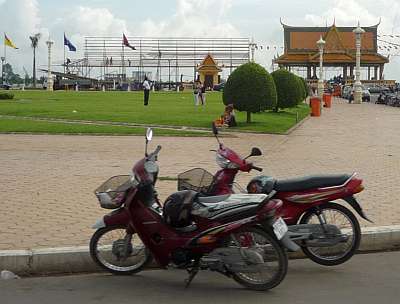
372	278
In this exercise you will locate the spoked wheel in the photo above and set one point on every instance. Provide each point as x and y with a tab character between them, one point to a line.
342	218
270	259
118	252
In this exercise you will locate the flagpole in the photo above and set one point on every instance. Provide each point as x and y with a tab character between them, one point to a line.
3	60
123	60
64	52
5	49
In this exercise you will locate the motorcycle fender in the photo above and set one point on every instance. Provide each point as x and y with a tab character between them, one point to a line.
117	217
356	206
99	224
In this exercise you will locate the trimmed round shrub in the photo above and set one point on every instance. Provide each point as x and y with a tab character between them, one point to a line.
302	89
288	89
306	87
4	95
250	88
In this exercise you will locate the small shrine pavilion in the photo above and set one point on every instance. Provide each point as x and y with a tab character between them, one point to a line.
209	72
300	50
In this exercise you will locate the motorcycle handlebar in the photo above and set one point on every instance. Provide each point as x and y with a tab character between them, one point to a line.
256	168
153	156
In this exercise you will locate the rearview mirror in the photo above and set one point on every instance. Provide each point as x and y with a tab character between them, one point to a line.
214	129
255	152
149	134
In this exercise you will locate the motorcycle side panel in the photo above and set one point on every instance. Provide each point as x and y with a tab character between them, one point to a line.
296	203
117	217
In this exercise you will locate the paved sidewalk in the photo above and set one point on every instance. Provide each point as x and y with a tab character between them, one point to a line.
47	182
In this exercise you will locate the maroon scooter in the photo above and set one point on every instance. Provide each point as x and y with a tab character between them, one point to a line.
237	235
328	233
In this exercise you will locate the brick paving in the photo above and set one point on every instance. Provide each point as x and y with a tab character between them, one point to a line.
47	182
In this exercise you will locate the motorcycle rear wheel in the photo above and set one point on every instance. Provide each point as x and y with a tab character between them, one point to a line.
332	256
276	261
107	250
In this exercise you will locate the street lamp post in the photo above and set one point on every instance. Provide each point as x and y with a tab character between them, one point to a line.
49	77
253	47
321	44
357	85
2	69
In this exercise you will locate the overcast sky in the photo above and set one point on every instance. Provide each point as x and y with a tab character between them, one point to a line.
202	18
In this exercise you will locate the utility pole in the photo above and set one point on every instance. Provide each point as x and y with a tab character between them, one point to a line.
49	77
2	69
357	85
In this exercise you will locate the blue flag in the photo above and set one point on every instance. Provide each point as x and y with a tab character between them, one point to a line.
68	43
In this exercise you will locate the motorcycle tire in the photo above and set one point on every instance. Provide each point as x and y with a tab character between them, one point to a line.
333	261
282	261
112	268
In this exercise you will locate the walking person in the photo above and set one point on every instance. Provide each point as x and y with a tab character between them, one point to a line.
146	90
203	95
200	94
195	94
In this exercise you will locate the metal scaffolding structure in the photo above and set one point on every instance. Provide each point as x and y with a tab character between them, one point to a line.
166	56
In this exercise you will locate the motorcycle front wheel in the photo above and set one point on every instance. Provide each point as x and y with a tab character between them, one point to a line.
348	224
118	252
275	261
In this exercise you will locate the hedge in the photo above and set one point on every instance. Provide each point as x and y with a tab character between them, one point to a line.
4	95
288	88
250	88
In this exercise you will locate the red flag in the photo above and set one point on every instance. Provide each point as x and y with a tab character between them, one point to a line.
126	42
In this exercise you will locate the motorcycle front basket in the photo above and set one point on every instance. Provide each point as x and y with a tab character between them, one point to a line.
197	179
112	193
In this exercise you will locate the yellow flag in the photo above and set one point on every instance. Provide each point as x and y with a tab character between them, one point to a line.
8	42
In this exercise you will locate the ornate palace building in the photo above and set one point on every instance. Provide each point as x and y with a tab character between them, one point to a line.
300	50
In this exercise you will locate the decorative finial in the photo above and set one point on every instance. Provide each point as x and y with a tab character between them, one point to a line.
358	30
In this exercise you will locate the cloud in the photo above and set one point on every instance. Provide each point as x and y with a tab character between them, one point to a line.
20	19
92	21
349	12
201	18
82	21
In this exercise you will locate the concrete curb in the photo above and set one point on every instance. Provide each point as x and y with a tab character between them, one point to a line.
77	259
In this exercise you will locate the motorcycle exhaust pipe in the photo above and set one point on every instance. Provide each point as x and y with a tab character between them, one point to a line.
289	244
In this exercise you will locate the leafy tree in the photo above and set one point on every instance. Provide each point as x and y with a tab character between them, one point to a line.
288	89
250	88
34	44
9	75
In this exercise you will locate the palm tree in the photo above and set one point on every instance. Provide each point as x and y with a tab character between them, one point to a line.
34	43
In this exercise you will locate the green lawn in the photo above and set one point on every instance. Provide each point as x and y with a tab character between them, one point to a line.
166	108
30	126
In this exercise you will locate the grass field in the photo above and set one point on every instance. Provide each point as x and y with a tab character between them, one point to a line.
165	108
31	126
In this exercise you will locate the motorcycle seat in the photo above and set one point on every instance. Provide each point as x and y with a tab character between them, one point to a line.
212	199
310	182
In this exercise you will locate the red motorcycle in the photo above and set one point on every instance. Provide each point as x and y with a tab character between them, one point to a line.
328	233
236	235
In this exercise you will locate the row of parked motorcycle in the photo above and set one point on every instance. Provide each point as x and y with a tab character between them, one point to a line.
389	98
205	225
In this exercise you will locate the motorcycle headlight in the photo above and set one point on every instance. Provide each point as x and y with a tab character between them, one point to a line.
225	163
151	167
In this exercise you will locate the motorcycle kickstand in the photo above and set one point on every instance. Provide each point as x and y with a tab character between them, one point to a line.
192	273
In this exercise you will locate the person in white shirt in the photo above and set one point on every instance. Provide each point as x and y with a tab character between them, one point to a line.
146	89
